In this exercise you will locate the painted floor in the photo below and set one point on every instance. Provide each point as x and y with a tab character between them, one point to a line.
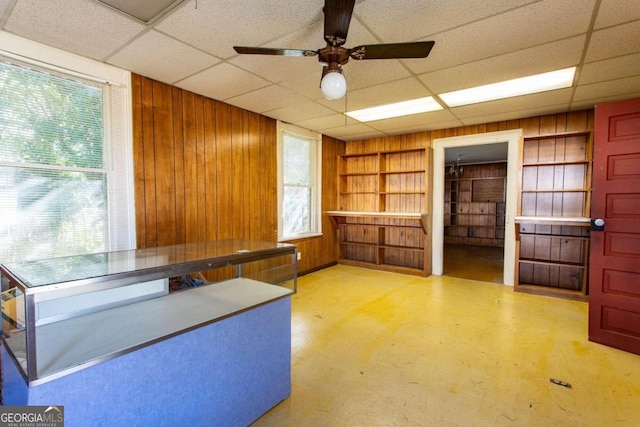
373	348
485	263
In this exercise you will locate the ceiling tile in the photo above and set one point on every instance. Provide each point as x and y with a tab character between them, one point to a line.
535	60
217	26
298	113
614	41
327	122
432	125
143	10
56	23
412	120
614	12
416	19
162	58
590	103
515	114
607	89
222	81
307	86
536	24
266	99
388	93
351	132
609	69
362	74
3	6
277	68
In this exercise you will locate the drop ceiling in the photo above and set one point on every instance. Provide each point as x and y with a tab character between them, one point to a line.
189	44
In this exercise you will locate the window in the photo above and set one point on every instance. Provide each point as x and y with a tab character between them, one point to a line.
299	182
65	170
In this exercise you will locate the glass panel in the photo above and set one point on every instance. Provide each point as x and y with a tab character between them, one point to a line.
65	269
297	157
48	213
13	323
52	203
48	119
297	210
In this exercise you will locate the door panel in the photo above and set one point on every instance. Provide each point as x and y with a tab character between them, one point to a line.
614	267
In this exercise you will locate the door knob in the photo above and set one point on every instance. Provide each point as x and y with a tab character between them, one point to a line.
597	224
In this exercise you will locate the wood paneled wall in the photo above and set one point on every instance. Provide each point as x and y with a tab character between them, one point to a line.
206	170
473	217
533	126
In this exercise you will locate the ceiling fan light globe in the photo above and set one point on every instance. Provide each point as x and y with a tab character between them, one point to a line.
333	85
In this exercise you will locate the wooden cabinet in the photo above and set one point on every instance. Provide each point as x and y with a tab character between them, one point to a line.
552	228
474	205
381	221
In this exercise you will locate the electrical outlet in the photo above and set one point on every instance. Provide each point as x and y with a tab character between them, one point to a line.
299	256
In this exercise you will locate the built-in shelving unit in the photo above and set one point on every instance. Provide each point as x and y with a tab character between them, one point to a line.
381	221
475	205
552	230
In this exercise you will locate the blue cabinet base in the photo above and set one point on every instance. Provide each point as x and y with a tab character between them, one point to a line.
228	373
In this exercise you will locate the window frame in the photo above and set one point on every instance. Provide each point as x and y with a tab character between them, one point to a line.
316	185
118	125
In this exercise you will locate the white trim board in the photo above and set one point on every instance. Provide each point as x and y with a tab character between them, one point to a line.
514	140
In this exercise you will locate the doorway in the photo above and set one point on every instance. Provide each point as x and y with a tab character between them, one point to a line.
474	212
513	140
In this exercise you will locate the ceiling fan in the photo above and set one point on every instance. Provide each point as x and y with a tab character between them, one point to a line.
337	17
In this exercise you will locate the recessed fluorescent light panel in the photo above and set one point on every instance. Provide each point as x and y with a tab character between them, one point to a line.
524	86
144	10
405	108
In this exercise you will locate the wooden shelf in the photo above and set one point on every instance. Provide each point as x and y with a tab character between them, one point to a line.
552	292
421	217
363	214
359	192
553	249
401	192
381	220
550	220
474	208
563	190
555	263
558	163
401	172
364	244
360	174
558	135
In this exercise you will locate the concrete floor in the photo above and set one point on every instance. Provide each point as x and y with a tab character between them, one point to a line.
373	348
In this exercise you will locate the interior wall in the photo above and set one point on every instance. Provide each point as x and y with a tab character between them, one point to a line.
576	121
206	170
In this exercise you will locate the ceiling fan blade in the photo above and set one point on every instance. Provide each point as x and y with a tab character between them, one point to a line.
392	50
337	17
274	51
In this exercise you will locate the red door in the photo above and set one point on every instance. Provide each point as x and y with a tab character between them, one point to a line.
614	267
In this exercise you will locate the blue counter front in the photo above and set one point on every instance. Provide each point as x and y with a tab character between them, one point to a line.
226	373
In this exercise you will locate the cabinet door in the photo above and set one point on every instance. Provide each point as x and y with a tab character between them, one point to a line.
614	300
